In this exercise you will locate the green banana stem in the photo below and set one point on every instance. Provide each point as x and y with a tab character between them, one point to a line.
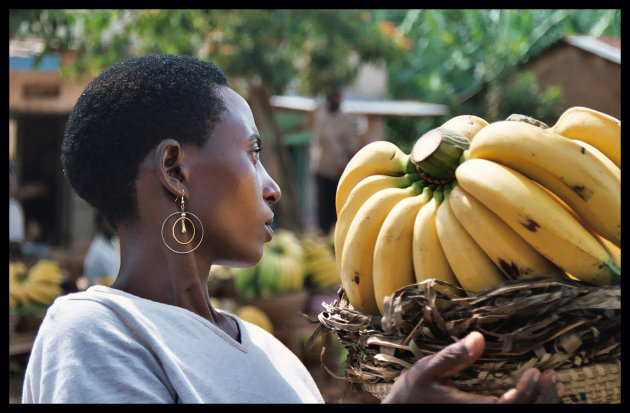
446	192
418	186
412	176
437	154
438	194
465	156
428	191
410	166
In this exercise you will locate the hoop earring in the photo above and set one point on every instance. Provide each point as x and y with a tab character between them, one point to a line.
183	231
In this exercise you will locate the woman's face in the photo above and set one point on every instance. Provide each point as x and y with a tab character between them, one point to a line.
229	189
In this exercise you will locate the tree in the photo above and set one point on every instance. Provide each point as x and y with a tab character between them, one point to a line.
455	52
261	51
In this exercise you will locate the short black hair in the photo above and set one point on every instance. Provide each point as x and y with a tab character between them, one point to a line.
125	112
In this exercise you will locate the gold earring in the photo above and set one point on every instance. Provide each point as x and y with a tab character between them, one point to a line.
183	219
181	225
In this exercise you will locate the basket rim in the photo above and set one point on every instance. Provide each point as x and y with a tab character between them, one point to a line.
361	330
594	383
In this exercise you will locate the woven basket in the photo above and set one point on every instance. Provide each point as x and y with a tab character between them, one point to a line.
597	383
544	322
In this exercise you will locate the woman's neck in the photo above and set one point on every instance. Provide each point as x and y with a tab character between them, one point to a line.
149	270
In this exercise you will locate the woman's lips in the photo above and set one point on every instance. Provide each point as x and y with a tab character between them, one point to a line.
269	232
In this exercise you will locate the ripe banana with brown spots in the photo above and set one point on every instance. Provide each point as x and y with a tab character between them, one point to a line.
539	219
571	171
594	127
357	257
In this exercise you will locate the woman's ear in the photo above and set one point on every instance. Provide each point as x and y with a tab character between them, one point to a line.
173	174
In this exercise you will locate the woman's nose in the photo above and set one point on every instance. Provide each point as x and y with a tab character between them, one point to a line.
271	190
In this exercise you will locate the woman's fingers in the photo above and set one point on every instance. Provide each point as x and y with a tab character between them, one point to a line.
549	388
456	357
525	389
534	387
427	380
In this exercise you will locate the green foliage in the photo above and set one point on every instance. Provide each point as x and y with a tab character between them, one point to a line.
520	94
269	47
456	52
433	55
404	132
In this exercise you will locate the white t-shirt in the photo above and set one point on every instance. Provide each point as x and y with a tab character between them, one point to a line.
103	345
16	221
102	258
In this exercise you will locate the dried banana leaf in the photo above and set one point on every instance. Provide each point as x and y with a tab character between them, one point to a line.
545	322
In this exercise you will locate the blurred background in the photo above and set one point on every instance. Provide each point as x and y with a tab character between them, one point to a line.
403	73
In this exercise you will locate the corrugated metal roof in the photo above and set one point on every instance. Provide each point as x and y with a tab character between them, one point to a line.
596	46
22	55
365	107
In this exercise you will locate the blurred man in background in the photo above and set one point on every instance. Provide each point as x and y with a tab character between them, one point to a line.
335	140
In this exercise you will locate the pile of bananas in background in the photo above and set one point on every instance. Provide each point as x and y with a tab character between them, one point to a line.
320	267
36	286
478	203
289	263
247	312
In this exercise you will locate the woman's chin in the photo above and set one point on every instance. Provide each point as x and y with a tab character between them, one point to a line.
240	263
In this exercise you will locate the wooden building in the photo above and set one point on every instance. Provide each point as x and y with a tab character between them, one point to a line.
587	69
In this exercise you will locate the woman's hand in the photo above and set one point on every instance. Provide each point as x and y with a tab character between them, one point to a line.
427	380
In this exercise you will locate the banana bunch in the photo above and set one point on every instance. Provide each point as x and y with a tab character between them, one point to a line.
320	267
558	187
256	316
221	272
484	203
38	285
374	181
279	271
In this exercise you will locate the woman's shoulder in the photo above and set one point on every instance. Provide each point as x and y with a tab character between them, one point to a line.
77	308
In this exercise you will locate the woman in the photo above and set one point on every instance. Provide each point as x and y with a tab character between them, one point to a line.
169	153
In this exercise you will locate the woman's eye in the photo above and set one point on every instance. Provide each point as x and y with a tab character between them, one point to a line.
256	152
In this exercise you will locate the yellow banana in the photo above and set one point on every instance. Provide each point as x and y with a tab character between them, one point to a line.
372	183
614	169
379	157
45	270
472	267
428	257
21	294
43	293
358	196
325	272
256	316
393	257
18	279
613	250
291	273
288	242
511	253
467	125
17	293
358	249
539	219
591	126
319	263
562	165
